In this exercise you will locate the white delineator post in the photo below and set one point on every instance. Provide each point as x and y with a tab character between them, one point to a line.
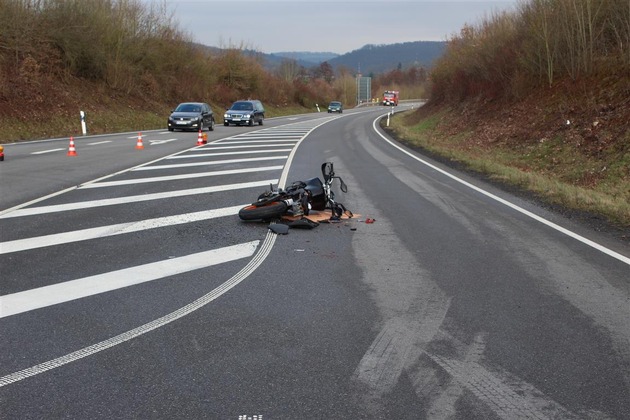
83	126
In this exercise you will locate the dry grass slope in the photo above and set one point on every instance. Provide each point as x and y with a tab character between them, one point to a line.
568	146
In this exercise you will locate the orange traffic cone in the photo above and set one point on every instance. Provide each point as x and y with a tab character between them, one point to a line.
71	149
200	141
1	153
139	144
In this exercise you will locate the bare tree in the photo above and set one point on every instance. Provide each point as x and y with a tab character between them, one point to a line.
288	69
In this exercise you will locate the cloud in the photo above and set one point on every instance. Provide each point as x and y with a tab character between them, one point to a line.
325	25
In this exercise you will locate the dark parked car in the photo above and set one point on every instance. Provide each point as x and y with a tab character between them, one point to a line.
244	112
335	106
191	116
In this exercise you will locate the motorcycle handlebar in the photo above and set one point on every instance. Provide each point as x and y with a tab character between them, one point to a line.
329	175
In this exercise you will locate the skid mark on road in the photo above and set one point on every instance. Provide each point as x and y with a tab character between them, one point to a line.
411	305
443	405
561	271
508	399
413	309
401	342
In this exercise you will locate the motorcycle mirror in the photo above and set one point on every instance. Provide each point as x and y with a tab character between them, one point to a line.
327	171
343	186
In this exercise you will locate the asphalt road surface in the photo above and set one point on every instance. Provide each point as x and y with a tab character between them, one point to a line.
129	288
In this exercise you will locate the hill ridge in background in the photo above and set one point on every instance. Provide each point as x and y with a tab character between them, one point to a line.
369	59
310	57
381	58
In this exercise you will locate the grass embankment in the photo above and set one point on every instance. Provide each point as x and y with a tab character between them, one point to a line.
550	168
538	98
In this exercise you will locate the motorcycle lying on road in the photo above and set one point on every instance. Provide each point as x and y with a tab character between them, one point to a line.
298	199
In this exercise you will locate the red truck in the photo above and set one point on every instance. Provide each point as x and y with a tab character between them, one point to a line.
390	97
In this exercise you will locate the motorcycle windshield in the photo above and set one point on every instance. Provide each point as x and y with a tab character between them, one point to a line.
318	196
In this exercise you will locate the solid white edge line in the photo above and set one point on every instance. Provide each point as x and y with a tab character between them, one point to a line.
513	206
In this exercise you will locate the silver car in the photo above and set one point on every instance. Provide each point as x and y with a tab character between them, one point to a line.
244	113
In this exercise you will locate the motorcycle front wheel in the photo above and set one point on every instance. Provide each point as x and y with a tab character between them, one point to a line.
267	211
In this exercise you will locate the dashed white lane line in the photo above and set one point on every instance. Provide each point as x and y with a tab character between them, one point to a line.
163	141
112	230
88	286
131	199
41	152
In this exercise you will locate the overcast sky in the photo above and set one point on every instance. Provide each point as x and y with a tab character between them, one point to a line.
338	26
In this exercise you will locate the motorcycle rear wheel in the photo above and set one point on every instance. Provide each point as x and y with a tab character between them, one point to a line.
267	211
